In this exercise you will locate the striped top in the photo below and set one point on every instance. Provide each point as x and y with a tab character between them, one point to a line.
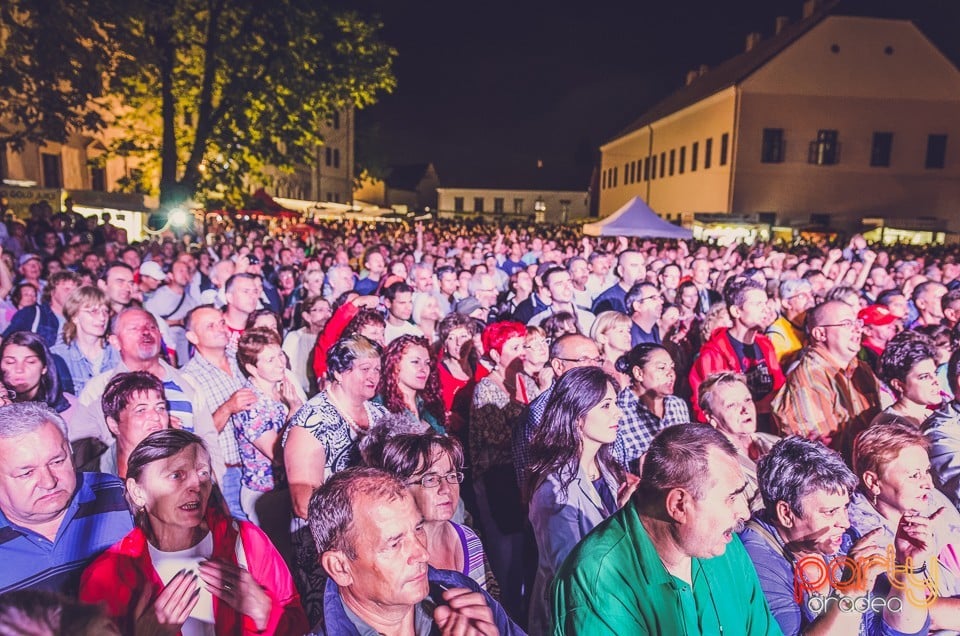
473	561
97	517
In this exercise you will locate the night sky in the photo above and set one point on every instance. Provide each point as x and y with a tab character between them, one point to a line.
485	89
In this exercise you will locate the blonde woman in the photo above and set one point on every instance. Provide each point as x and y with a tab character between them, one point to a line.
85	349
611	332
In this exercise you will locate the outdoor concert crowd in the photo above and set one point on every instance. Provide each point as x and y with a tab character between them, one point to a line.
472	428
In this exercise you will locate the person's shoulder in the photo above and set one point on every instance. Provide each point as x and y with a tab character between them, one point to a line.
602	550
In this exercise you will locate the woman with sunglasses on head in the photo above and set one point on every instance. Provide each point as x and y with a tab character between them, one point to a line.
85	349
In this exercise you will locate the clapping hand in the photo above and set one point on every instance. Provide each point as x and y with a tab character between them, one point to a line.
167	614
465	614
236	587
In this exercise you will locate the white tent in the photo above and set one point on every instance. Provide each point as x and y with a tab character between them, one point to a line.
636	218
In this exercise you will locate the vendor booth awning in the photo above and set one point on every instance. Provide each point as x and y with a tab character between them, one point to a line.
635	218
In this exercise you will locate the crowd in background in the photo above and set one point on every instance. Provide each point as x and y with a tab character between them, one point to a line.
267	431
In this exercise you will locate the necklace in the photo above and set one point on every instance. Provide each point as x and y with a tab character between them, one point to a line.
352	423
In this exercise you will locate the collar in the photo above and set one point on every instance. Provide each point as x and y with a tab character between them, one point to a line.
83	494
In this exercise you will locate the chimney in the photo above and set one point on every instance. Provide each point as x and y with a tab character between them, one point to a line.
691	76
781	23
810	7
753	39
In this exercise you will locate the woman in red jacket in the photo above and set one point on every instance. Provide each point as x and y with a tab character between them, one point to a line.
188	567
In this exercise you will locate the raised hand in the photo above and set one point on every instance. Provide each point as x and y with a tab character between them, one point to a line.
465	614
236	587
167	614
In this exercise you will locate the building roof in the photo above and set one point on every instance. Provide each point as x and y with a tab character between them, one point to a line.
406	177
738	68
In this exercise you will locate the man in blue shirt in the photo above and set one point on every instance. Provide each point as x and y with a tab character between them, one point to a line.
53	520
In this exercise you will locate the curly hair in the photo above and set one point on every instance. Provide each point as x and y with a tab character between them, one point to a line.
389	388
903	352
362	319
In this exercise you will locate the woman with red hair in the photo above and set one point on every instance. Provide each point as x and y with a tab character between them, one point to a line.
410	383
498	402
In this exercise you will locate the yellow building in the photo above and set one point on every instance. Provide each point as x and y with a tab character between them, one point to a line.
830	121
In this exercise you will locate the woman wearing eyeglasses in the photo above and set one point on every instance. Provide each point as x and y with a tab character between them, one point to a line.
85	349
432	467
575	482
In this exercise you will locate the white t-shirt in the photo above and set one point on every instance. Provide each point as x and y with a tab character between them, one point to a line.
167	564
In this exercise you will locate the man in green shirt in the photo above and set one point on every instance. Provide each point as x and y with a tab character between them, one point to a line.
669	562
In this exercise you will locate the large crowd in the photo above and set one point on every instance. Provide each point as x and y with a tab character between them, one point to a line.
471	428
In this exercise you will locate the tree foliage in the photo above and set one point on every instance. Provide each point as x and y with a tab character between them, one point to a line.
54	55
206	92
233	85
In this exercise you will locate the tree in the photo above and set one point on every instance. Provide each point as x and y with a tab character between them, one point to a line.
224	87
53	57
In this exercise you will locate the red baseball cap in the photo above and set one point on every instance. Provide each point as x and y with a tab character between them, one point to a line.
876	316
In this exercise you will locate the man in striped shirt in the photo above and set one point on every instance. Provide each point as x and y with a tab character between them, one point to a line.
136	336
53	520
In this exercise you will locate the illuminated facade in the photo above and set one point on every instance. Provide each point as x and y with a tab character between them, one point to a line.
832	120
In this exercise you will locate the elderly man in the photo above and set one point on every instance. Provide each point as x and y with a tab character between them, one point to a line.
786	333
669	561
136	337
830	395
558	282
53	520
631	269
369	536
804	526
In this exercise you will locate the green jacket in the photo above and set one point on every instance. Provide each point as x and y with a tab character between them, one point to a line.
614	583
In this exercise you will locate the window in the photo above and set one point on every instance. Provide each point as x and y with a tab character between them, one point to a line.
694	151
564	209
498	205
336	121
881	149
458	204
98	179
3	161
646	169
673	160
653	167
771	150
336	157
329	156
663	164
614	177
603	180
626	173
518	206
936	151
51	171
683	159
478	204
724	147
633	172
707	153
825	150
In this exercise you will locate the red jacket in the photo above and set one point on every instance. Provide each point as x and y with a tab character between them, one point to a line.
118	576
329	336
718	355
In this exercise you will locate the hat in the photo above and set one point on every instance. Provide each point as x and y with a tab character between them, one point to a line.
467	306
153	270
28	257
876	316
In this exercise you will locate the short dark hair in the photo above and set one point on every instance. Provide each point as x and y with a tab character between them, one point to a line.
636	293
949	298
251	344
331	509
114	265
902	353
406	454
228	286
886	297
390	292
796	467
677	458
550	273
735	291
189	318
121	389
636	357
342	355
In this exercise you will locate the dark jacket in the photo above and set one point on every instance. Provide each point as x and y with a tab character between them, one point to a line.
47	327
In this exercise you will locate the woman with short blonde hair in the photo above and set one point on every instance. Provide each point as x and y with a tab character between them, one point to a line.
85	348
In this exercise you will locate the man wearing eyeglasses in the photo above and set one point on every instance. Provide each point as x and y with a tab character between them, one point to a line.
830	395
644	305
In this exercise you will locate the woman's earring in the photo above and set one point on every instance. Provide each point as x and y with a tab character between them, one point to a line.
875	496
